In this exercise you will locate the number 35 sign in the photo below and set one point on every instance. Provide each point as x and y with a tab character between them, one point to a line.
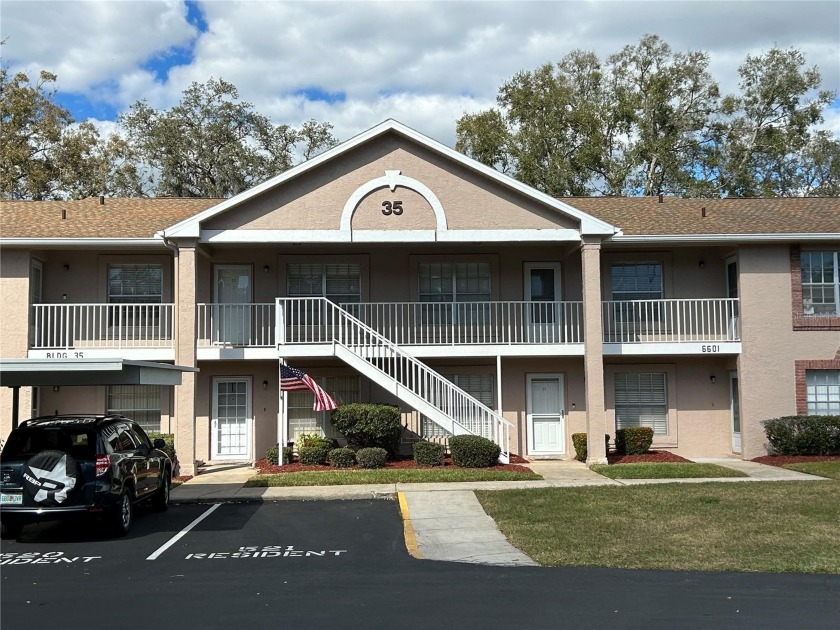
392	208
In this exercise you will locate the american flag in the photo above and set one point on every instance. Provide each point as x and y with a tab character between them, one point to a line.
292	379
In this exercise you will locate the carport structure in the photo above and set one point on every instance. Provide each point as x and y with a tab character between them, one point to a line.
17	373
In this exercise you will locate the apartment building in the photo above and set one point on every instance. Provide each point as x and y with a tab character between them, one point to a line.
394	269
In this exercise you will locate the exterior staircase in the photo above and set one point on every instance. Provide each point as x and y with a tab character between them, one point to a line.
320	321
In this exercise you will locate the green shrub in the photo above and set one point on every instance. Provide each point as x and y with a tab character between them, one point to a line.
371	457
581	449
311	455
474	451
428	453
633	440
368	425
341	458
288	453
169	449
271	455
315	439
803	435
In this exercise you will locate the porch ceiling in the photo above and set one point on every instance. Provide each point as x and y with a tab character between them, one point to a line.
68	372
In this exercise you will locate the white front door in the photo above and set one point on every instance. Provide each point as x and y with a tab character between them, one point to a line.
736	412
542	289
231	425
232	312
546	416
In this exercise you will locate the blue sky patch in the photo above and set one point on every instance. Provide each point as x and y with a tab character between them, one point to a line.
82	108
318	94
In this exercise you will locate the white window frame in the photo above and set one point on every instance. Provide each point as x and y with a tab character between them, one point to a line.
129	410
822	392
323	270
808	306
148	298
616	296
619	424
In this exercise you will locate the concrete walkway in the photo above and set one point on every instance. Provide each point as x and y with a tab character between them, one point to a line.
444	521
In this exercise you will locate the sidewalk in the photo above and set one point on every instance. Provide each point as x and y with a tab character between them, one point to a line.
444	521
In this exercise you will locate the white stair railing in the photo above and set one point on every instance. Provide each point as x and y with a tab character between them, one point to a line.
318	321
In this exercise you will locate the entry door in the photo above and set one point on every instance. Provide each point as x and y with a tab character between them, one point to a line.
542	289
736	412
231	425
546	417
36	287
233	304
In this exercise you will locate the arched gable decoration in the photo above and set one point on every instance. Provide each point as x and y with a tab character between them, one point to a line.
392	179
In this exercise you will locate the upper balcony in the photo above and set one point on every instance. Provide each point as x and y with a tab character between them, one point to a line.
511	328
134	331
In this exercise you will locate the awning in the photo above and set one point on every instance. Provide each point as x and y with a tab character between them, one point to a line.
68	372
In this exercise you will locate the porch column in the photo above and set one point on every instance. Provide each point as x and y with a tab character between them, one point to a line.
593	358
185	328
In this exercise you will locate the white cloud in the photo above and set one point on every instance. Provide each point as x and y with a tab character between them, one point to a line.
424	63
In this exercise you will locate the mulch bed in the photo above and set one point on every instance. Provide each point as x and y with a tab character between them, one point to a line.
783	460
267	469
651	457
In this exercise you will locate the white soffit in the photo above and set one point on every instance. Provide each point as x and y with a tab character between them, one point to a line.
192	227
70	372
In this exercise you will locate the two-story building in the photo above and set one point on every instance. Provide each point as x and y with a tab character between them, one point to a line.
394	269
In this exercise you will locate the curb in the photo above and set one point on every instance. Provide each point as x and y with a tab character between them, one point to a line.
408	529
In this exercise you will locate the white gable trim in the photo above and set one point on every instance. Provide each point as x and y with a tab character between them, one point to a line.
588	224
391	180
389	236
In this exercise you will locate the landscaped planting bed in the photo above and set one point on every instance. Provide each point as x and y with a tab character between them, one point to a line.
784	460
267	469
651	457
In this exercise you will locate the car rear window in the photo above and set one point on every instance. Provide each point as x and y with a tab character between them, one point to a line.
79	442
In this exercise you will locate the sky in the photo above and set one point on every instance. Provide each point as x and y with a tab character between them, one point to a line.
355	64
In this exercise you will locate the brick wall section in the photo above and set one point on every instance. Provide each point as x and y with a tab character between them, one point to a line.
800	321
799	374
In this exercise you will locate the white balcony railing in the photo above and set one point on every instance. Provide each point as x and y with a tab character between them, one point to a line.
671	321
71	326
473	323
241	325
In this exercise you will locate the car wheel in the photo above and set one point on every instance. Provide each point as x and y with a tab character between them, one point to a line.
123	514
10	529
160	501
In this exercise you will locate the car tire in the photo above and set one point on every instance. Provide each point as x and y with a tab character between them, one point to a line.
160	500
10	529
123	514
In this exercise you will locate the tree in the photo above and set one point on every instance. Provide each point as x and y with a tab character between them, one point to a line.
650	121
211	144
31	125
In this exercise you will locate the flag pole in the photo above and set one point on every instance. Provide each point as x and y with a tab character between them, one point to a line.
282	424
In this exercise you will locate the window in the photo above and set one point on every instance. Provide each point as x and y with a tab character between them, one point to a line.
636	281
479	386
447	284
822	391
337	283
141	403
641	400
820	283
302	419
135	284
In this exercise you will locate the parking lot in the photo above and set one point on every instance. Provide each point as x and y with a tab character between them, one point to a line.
324	564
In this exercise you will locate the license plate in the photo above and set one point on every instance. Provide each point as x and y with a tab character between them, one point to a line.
11	499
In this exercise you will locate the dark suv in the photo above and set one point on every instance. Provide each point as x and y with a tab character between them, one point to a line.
58	467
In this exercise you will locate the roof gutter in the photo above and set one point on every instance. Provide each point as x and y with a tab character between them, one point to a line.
724	238
81	242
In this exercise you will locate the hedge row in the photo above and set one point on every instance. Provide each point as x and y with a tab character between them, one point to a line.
803	435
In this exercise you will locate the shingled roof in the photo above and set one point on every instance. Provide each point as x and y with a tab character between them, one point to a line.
141	218
647	216
87	218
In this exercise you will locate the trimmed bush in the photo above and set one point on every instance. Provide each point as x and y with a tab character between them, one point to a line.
372	457
581	449
311	455
474	451
633	440
315	439
288	453
341	458
803	435
272	454
428	453
369	425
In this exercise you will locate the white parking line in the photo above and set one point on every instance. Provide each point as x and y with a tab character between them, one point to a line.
183	532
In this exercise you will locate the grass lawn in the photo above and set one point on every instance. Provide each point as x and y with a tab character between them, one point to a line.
821	469
666	471
385	475
772	527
